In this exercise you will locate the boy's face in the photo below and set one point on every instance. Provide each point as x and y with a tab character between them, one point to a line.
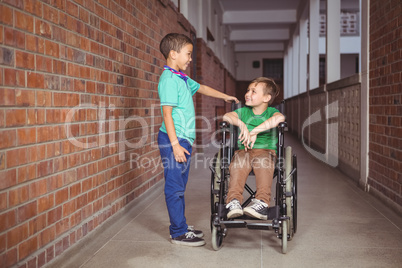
183	58
255	95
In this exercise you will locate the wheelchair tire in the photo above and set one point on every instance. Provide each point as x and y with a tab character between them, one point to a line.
289	189
216	165
217	238
294	215
284	236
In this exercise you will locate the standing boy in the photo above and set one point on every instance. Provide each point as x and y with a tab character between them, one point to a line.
177	132
257	149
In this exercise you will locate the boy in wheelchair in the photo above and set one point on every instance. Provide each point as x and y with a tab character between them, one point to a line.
258	138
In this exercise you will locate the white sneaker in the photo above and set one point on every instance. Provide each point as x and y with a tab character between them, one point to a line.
258	209
234	209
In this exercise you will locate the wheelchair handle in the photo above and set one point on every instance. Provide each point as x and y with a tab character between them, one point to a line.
224	124
283	125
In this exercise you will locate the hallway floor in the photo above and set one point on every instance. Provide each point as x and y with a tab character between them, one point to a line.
339	225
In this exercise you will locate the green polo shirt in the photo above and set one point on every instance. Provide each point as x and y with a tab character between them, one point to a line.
266	139
174	91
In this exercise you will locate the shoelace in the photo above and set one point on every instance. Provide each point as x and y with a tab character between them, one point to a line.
257	205
190	235
232	205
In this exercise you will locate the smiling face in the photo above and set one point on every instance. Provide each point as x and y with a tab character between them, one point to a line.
255	96
182	59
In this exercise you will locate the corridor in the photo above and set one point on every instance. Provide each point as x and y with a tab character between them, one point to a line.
339	225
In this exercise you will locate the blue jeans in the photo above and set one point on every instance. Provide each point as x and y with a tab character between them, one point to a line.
176	177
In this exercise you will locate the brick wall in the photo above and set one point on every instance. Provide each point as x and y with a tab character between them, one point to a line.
78	91
385	102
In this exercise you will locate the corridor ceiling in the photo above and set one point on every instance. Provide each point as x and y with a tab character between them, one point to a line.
259	25
267	25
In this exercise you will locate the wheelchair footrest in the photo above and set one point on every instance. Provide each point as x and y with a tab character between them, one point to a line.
273	212
260	226
234	224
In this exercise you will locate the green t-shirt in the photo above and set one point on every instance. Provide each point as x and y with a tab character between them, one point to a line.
174	91
266	139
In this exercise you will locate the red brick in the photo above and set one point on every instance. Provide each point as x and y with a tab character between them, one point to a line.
14	38
23	21
43	98
3	244
54	215
18	196
45	168
51	49
38	187
26	136
16	157
26	173
27	247
8	138
62	226
16	117
25	97
24	60
6	15
8	178
46	236
35	80
7	97
8	220
49	253
11	257
43	64
69	207
35	44
45	203
51	13
3	202
2	160
18	234
59	67
61	196
27	211
34	7
7	56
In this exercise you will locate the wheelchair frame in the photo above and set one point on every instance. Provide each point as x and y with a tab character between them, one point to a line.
282	217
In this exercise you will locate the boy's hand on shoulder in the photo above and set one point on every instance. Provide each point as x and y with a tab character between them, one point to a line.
230	99
180	153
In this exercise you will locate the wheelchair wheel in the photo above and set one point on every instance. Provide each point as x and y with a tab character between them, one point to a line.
289	189
294	210
217	237
216	165
284	236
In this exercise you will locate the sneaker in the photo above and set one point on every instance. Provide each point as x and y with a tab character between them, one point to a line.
234	209
188	239
258	209
198	233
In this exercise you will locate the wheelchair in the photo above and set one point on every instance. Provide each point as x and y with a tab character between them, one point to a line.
282	217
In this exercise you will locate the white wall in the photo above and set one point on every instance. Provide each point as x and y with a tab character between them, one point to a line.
245	70
208	14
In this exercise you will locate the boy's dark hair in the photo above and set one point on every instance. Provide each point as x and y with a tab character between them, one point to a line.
270	87
173	41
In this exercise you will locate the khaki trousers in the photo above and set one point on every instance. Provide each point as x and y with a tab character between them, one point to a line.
262	162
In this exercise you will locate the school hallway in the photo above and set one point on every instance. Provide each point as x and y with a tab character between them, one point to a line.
339	225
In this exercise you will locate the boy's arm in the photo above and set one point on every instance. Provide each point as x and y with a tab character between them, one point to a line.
209	91
271	122
178	151
233	119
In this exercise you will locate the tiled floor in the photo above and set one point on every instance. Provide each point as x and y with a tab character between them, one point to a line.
339	225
